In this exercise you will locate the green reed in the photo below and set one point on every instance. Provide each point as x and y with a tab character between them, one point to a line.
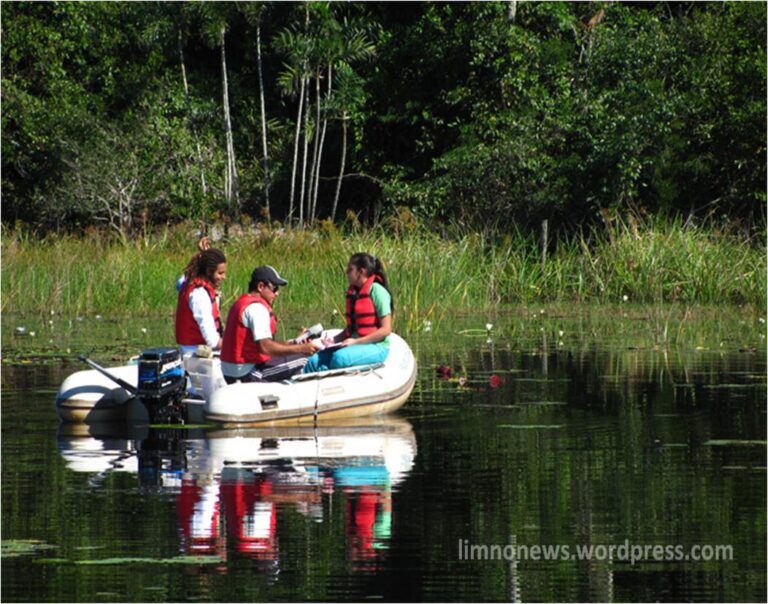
432	275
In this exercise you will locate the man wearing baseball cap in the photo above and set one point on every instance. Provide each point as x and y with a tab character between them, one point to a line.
249	352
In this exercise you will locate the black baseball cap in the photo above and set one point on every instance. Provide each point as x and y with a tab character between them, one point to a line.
267	274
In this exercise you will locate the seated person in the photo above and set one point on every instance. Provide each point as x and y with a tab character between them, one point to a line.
197	309
369	319
250	353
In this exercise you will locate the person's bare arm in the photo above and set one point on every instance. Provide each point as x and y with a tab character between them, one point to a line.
275	348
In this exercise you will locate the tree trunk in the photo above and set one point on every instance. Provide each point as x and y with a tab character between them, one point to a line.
313	168
194	128
304	160
512	11
322	141
344	119
230	180
296	150
263	122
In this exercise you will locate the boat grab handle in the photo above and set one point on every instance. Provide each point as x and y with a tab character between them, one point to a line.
355	370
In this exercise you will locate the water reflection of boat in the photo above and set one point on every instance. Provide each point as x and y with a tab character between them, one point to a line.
230	485
111	394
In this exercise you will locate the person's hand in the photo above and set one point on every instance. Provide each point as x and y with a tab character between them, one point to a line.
349	342
309	348
204	244
317	345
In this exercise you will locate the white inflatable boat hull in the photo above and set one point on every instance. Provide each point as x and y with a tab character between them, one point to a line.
351	392
92	398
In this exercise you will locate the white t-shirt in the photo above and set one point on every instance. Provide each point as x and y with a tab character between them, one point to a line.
202	310
256	320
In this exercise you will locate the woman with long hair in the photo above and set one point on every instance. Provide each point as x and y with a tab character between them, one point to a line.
369	307
198	319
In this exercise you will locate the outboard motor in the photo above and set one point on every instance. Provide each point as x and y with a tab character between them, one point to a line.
162	384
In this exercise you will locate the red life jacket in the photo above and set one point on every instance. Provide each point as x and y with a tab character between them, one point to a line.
238	346
361	313
187	330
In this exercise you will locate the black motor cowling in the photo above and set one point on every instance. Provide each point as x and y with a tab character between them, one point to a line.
162	384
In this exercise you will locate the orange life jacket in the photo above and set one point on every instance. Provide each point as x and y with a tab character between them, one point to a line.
187	330
238	346
361	313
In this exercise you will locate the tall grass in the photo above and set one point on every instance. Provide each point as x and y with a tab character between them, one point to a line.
655	261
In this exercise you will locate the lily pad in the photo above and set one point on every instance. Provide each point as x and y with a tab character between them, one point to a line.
14	548
531	426
193	560
734	443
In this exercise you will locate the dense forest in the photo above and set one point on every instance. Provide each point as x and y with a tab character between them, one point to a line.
136	114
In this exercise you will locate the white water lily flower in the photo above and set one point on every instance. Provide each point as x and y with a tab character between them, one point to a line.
143	330
561	333
625	298
761	319
488	326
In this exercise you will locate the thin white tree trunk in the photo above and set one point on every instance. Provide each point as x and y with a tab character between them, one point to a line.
343	161
512	11
313	168
263	122
230	182
194	128
296	150
322	141
304	160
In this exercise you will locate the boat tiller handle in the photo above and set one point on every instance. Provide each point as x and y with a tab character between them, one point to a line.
122	383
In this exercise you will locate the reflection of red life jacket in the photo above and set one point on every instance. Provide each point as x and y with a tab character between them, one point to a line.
238	346
198	519
361	516
187	330
361	313
252	520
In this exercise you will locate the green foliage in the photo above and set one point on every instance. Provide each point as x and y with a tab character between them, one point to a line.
650	261
468	113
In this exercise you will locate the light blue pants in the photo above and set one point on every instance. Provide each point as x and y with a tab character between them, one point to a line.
348	356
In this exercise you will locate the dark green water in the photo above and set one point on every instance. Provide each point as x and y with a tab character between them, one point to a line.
594	437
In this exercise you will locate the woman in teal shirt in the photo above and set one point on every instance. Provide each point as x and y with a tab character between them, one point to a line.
365	340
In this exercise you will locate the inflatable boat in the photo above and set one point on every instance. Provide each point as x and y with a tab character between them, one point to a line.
164	388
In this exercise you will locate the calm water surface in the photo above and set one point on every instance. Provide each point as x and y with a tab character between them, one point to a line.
590	437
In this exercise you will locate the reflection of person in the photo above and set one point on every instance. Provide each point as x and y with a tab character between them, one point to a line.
198	515
369	522
369	307
250	353
251	517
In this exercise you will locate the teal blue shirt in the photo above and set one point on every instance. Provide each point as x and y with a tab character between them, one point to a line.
382	302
